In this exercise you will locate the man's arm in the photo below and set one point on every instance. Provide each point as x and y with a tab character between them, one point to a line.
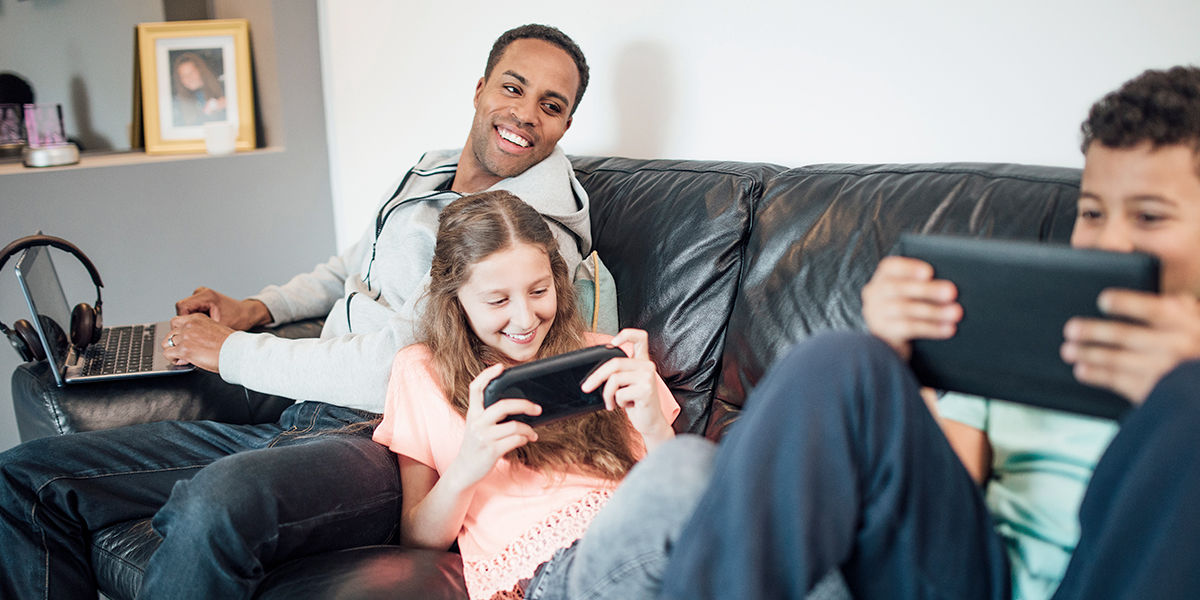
349	370
207	318
313	294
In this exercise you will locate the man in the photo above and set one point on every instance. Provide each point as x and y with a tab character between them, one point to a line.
837	462
232	501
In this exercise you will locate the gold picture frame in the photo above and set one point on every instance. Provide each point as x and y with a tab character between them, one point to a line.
189	74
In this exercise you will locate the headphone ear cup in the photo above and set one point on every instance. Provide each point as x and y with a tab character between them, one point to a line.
85	324
24	339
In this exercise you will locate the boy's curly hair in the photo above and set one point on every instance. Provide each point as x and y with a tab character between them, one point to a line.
1160	107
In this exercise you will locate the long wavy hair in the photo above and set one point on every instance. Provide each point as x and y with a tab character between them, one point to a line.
211	85
470	230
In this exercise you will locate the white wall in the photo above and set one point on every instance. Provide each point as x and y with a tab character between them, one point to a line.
793	82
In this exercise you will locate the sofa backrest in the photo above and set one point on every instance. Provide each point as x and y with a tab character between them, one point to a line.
728	264
820	231
672	233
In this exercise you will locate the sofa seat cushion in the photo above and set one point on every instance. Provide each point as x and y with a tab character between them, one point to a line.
120	553
368	573
43	409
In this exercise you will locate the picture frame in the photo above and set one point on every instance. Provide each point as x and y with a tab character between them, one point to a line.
189	74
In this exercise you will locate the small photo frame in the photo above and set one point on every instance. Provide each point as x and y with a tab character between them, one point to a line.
191	74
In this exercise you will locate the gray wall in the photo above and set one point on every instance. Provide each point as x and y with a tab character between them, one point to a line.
78	53
157	229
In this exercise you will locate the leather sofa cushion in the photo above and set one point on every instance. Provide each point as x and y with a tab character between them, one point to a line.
44	409
368	573
672	232
821	230
120	553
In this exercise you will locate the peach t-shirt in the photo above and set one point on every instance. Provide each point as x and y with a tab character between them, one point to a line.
517	517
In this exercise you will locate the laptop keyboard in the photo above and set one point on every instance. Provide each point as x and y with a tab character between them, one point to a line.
128	349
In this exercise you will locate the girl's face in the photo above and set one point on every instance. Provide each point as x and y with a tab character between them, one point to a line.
510	300
189	76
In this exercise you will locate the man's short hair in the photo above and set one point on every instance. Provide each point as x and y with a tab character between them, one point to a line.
1160	107
548	34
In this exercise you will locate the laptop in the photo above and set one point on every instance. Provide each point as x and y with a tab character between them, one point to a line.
1016	298
121	352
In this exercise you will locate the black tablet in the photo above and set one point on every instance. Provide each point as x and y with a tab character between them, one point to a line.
554	384
1016	298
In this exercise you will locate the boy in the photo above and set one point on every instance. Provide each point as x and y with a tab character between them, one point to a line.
838	463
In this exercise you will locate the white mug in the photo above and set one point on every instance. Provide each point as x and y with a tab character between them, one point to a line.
220	137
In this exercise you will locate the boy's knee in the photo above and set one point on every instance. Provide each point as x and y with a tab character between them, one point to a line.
839	351
1174	398
1183	380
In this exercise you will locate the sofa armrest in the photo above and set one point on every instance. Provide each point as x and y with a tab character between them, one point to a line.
43	409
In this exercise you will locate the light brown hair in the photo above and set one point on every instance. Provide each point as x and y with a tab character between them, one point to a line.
212	86
471	229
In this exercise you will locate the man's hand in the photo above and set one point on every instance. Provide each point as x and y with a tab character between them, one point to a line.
903	302
196	339
241	315
1130	358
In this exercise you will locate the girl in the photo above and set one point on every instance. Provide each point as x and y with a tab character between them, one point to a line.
511	495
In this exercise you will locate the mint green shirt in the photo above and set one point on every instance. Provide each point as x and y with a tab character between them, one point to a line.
1042	461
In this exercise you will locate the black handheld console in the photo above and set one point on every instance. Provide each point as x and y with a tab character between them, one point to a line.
553	383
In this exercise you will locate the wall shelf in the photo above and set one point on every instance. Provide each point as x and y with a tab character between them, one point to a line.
89	160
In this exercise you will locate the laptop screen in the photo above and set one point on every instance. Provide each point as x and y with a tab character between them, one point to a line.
44	293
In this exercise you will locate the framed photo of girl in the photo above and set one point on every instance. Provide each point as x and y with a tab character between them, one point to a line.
194	75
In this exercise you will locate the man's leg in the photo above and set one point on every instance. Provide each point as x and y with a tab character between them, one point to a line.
1139	521
317	488
54	491
838	463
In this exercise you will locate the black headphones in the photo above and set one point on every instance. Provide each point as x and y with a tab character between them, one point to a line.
86	321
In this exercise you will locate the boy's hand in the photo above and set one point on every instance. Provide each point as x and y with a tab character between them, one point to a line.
1130	358
903	302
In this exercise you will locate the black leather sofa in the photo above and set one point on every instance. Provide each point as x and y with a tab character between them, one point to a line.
726	264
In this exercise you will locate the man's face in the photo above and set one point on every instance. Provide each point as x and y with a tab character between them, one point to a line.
522	109
1144	199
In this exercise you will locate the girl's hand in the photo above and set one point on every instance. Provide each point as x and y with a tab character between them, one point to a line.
632	383
486	439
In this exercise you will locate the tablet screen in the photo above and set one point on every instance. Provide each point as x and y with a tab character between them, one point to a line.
1016	298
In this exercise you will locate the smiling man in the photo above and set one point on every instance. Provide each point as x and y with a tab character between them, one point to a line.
233	501
523	105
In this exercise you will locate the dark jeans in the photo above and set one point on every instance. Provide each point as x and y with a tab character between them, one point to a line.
837	463
230	501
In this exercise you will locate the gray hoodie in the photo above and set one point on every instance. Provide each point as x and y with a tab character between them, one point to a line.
369	293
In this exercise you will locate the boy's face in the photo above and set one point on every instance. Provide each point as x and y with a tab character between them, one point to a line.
1144	199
